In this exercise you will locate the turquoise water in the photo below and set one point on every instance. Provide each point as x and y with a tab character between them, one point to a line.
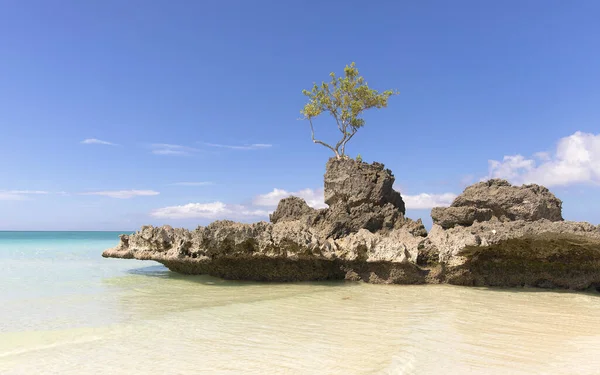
46	271
66	310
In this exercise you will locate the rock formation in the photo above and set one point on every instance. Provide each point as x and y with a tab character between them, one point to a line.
498	198
496	234
363	235
493	234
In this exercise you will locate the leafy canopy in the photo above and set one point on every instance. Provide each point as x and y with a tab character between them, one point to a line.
345	99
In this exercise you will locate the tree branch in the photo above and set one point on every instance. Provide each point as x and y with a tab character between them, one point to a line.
335	116
342	141
354	130
312	130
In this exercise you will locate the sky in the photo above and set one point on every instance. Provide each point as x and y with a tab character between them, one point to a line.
115	114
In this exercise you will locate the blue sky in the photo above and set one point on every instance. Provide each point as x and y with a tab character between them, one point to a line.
198	103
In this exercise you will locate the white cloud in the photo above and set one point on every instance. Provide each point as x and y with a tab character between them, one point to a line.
200	183
254	146
542	155
214	210
512	167
575	160
94	141
170	149
313	197
123	194
427	201
19	195
264	204
261	206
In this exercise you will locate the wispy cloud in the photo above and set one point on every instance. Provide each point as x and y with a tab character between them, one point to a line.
94	141
19	195
123	194
214	210
253	146
171	149
576	160
313	197
28	192
199	183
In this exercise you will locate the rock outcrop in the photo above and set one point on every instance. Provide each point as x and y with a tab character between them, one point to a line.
351	183
290	209
363	235
519	253
498	198
493	234
496	234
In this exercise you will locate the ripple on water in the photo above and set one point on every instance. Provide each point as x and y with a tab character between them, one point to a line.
174	324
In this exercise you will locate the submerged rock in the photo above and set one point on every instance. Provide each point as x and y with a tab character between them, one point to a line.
493	234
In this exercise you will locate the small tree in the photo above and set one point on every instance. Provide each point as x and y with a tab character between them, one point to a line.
345	99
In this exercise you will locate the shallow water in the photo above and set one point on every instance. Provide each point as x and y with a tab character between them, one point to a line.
66	310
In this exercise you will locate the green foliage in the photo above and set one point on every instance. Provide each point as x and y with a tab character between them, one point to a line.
359	158
345	99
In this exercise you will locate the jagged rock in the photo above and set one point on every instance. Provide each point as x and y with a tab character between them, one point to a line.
291	208
428	254
497	234
448	217
416	228
452	241
362	235
519	253
493	234
498	198
339	221
352	183
286	251
360	196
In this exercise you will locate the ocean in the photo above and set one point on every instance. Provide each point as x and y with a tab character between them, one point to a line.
66	310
